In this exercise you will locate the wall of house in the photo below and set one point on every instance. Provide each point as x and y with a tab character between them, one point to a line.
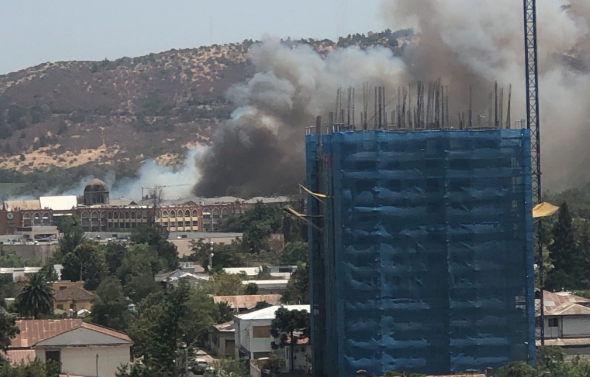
81	361
66	305
576	326
246	338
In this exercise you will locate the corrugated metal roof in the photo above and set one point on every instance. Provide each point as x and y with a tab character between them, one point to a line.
248	301
59	203
569	309
552	300
20	356
34	331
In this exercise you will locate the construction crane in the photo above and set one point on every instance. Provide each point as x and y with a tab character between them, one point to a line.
533	124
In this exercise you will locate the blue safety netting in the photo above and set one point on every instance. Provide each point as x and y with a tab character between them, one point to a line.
428	251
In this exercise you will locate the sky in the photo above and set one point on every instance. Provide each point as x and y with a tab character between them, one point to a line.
38	31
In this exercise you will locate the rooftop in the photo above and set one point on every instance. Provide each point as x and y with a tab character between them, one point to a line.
553	300
247	301
71	291
37	330
269	313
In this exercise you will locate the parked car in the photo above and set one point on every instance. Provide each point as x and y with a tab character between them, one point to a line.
199	366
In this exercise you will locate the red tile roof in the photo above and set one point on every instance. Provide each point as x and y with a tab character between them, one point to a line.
35	331
71	292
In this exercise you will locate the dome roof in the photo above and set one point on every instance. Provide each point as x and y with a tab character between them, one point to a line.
96	185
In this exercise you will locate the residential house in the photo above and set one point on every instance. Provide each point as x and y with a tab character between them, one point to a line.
71	295
222	340
244	303
567	322
252	331
21	273
276	272
82	349
174	277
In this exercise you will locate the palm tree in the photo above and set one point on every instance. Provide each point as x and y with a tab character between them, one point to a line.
36	297
226	312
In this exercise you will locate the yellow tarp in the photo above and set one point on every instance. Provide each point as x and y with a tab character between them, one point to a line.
312	193
544	210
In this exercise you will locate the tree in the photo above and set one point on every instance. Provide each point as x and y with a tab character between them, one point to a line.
224	284
294	253
114	253
563	250
223	255
230	368
226	312
156	236
49	273
109	308
35	298
157	331
10	259
298	287
8	329
137	271
256	236
71	234
516	369
262	305
85	263
31	369
289	326
251	289
203	313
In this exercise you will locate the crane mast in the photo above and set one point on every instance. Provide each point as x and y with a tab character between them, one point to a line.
532	103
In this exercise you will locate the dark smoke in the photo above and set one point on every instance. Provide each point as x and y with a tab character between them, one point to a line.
463	42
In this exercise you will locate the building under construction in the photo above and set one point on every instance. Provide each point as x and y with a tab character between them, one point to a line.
421	247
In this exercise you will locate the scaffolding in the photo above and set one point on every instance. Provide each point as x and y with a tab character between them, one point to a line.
422	253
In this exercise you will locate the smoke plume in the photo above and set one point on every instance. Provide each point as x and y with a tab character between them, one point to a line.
465	43
473	43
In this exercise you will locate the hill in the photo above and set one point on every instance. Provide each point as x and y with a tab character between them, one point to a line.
92	117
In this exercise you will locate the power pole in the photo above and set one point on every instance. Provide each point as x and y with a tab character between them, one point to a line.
533	124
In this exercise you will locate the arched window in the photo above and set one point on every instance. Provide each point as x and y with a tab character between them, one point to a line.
224	213
172	213
37	219
195	213
164	214
144	214
27	219
215	213
94	215
46	220
85	220
116	215
126	214
110	215
187	213
138	214
103	214
132	214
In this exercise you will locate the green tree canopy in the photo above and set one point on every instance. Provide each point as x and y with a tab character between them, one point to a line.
223	255
289	326
109	308
10	259
297	291
35	298
71	234
294	253
157	236
223	284
85	263
114	253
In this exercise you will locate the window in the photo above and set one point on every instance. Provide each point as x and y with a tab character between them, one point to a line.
195	213
553	322
37	220
132	214
126	214
138	213
195	223
215	213
206	214
224	213
261	332
110	215
73	306
27	219
46	219
173	224
164	214
144	214
172	213
187	213
60	306
53	355
116	215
